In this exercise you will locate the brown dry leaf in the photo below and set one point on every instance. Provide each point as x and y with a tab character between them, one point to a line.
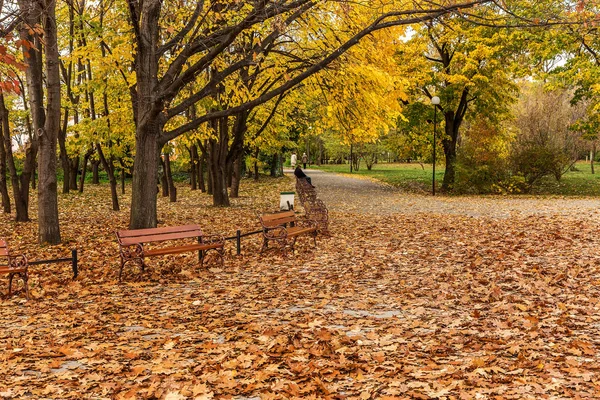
393	305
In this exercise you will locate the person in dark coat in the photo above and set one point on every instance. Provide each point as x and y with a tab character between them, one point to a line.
301	175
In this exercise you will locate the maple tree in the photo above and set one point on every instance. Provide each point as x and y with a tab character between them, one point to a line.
207	51
358	98
573	64
465	66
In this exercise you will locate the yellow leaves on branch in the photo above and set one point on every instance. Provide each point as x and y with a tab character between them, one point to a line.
359	96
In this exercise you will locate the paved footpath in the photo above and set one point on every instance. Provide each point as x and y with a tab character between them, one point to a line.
342	192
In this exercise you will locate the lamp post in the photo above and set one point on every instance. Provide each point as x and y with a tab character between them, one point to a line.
351	157
435	101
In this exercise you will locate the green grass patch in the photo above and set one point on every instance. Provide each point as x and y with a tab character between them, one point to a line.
578	182
413	178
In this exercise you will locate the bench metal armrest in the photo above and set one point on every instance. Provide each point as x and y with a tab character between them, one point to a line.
18	261
275	232
132	251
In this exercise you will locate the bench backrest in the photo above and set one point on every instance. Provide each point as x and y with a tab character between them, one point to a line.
276	219
135	236
3	248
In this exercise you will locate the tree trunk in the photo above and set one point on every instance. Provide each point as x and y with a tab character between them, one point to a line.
3	186
200	172
236	178
64	157
449	143
123	180
109	167
193	161
217	159
48	223
593	156
86	158
229	172
164	182
169	175
209	175
273	166
123	172
34	175
31	14
256	165
148	114
74	170
95	173
20	184
320	157
145	171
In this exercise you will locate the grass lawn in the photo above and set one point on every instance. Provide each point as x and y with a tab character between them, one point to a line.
414	178
410	177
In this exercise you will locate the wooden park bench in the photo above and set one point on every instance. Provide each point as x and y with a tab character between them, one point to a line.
133	244
15	265
284	228
313	206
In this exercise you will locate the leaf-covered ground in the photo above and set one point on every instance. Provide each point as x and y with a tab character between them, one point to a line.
393	305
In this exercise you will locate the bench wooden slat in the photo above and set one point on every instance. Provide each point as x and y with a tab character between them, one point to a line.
279	215
298	230
276	219
151	236
155	231
277	222
159	237
6	269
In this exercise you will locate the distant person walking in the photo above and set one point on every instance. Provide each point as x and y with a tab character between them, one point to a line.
304	160
293	159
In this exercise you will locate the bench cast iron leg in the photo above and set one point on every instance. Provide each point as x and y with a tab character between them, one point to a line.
265	245
284	247
24	276
221	253
121	268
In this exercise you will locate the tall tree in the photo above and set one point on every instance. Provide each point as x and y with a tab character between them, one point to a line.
465	65
202	50
48	223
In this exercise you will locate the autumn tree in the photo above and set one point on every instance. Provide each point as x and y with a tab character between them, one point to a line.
573	64
176	47
465	65
358	97
546	143
37	19
46	121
